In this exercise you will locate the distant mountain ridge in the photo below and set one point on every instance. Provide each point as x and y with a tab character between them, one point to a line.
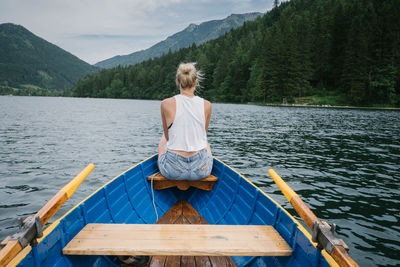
197	34
27	60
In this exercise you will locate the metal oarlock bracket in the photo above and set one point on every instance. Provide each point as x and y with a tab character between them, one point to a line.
324	235
28	232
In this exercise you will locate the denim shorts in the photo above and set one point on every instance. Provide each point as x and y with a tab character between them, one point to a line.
176	167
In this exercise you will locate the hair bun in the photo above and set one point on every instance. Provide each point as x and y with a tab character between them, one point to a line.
186	70
186	75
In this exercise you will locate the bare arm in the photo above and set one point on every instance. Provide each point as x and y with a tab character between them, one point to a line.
168	108
207	111
164	123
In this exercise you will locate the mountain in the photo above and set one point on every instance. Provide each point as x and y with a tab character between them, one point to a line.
197	34
27	60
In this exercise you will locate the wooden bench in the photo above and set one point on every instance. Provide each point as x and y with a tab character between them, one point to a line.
178	240
180	214
160	182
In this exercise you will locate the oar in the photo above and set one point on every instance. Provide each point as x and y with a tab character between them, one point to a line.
32	226
322	232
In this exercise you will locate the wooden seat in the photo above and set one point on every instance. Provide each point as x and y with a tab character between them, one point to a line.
178	240
160	182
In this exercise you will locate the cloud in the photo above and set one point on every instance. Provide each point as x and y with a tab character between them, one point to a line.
96	29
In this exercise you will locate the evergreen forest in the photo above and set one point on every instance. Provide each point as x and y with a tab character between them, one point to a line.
338	52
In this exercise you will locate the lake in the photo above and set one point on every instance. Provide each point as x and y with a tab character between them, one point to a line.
344	163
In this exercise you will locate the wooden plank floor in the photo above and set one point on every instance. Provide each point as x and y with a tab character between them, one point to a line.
183	213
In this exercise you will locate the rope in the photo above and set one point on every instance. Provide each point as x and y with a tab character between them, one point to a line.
152	194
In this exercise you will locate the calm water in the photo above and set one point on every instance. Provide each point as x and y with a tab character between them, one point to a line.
344	163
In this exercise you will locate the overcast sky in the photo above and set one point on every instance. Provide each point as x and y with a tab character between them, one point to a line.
95	30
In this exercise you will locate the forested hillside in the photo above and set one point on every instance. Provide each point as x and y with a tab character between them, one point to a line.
31	64
197	34
344	51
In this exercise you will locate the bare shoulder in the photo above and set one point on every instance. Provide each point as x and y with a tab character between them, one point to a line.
207	105
167	103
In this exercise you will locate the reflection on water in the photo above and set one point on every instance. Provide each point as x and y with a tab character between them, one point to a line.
344	163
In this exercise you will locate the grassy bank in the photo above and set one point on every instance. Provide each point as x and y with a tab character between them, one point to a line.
328	100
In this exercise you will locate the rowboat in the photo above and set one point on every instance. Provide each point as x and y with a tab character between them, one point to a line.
129	203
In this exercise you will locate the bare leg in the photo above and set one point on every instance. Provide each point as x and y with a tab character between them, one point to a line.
162	146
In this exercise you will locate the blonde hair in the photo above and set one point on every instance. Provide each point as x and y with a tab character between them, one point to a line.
186	75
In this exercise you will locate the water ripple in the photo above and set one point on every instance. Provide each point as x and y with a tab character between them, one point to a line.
344	163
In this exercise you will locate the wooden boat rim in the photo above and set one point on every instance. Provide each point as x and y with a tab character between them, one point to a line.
50	228
328	257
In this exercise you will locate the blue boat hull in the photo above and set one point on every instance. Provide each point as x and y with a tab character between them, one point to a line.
127	199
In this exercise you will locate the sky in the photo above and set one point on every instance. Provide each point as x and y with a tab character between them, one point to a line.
94	30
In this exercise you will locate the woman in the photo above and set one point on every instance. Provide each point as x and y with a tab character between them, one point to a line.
184	153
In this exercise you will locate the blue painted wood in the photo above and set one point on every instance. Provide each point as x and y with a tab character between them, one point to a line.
128	199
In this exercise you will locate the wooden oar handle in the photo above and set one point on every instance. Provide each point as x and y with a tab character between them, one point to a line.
338	253
301	208
305	213
18	241
7	253
51	207
342	258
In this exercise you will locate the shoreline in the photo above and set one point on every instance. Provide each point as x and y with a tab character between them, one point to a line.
326	106
248	103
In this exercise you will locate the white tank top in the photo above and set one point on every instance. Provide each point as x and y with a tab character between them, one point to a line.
188	132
